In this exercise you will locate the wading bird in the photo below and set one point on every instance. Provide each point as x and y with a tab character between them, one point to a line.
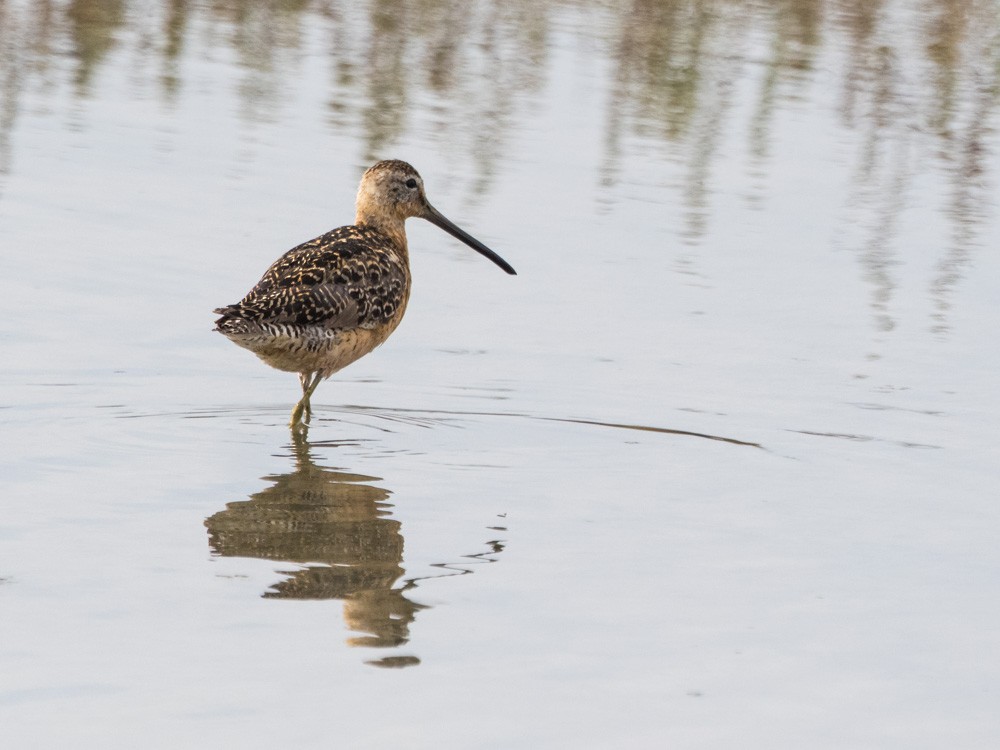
330	301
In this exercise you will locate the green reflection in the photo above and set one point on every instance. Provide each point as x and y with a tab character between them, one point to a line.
93	26
918	87
174	30
473	63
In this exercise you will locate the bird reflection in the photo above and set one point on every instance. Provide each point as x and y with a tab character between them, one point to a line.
340	521
340	525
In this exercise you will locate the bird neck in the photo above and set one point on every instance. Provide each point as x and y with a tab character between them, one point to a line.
388	224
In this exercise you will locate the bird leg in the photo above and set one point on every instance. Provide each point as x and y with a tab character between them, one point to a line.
303	408
296	421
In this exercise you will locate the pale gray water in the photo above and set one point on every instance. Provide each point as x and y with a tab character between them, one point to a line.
717	468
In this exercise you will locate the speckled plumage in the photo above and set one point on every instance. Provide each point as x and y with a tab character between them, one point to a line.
326	303
323	304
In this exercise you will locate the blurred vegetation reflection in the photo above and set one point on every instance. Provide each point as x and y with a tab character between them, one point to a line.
339	526
918	82
674	61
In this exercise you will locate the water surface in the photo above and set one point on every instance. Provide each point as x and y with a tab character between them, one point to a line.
716	469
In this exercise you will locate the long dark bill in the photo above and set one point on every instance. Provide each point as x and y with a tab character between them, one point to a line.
437	218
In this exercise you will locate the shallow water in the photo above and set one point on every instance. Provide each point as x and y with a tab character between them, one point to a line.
716	469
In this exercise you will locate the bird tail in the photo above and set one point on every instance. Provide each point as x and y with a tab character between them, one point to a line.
231	321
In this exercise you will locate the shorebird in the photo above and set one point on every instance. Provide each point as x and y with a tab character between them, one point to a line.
329	301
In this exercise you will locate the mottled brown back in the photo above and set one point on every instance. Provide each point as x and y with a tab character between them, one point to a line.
343	279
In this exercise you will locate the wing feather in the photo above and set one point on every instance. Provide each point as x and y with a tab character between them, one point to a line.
347	278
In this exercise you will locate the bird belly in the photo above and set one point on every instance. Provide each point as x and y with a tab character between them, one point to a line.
312	348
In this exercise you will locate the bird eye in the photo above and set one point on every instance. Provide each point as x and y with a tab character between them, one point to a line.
411	183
